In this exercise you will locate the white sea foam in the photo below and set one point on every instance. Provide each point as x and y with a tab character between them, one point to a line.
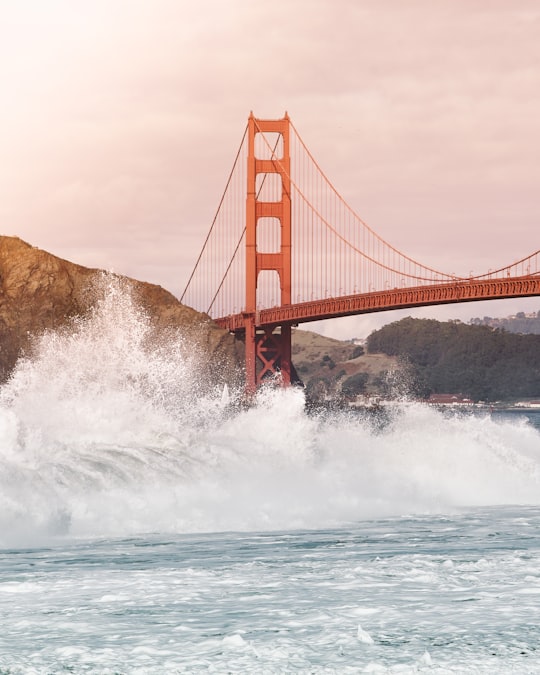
104	431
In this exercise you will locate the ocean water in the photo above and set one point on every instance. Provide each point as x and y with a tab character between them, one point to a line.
151	526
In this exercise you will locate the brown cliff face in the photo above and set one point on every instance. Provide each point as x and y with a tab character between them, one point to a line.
39	292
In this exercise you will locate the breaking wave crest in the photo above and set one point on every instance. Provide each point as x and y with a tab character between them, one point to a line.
105	431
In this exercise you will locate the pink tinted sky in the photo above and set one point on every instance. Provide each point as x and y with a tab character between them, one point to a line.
119	121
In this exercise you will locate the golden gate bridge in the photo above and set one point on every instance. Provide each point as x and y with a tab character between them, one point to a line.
285	248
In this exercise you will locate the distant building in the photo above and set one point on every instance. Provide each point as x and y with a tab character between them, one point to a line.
516	323
449	399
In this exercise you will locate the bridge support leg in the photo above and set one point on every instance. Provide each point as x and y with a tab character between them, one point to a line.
251	357
268	353
286	347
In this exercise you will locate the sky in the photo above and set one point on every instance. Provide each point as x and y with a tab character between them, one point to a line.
120	120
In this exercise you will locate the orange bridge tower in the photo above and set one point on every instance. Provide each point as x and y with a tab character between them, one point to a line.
268	348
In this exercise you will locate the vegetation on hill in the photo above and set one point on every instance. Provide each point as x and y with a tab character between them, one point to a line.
477	361
335	368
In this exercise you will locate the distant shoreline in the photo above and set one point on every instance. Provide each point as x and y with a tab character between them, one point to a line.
515	408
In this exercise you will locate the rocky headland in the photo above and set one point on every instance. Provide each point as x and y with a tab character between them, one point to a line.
40	292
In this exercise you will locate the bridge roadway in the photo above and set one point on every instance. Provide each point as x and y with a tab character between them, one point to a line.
469	290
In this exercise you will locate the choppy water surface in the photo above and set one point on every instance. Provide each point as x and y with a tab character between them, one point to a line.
426	594
148	527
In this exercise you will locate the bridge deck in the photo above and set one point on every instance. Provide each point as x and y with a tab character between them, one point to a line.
396	298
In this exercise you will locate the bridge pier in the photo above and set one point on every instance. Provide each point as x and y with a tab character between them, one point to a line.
268	354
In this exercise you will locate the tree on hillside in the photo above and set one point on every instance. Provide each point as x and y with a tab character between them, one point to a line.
478	361
354	385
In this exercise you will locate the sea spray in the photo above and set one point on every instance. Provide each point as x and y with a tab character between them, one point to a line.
106	431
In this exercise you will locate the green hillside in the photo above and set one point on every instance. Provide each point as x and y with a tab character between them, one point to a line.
451	357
